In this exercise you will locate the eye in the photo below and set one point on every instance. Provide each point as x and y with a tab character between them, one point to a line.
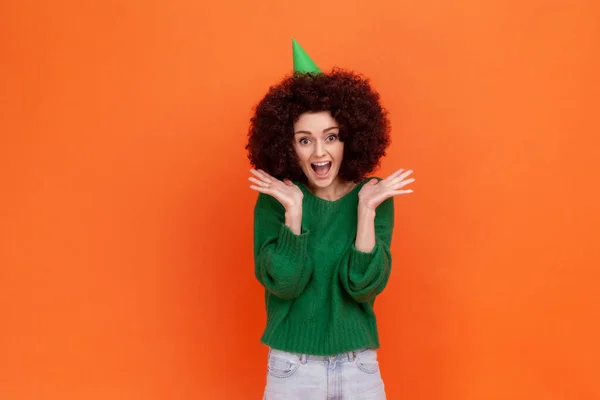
304	141
331	138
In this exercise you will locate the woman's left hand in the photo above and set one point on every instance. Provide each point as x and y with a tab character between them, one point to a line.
374	192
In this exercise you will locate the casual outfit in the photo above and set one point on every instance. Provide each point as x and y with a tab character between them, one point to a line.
319	296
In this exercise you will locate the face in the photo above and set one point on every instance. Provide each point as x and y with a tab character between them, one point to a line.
318	147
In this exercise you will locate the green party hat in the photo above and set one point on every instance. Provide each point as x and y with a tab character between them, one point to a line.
302	62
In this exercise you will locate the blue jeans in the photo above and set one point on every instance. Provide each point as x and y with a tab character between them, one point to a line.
349	376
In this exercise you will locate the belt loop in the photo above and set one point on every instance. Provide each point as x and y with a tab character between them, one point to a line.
303	358
351	356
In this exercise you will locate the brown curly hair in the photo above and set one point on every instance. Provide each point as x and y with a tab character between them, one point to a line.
352	102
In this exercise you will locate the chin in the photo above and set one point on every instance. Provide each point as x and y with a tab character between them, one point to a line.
320	183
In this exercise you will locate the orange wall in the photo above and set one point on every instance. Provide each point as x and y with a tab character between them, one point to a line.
126	218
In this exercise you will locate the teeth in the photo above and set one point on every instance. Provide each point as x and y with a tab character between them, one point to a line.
321	164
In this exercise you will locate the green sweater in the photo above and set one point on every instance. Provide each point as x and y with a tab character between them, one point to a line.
319	289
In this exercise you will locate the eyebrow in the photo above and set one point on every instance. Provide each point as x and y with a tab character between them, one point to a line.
310	133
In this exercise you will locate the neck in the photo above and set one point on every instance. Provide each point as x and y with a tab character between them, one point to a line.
337	189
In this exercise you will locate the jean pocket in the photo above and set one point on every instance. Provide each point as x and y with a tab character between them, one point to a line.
282	365
367	362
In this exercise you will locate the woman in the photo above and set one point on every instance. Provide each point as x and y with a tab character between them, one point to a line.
322	233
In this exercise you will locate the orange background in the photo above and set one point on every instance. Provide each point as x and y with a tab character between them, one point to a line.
126	217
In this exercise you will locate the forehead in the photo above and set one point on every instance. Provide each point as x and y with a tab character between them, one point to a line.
315	122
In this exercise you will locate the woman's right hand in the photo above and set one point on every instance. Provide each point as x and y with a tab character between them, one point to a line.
289	195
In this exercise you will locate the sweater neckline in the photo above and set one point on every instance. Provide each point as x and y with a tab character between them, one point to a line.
348	194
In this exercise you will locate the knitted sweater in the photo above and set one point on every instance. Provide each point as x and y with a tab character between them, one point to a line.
319	289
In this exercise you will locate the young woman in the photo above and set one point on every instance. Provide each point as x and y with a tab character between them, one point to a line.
322	233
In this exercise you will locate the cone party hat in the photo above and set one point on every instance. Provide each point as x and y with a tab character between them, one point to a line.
302	62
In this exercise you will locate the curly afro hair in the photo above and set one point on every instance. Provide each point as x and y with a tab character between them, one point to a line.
348	96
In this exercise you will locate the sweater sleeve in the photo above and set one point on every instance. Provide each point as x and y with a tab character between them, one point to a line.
365	275
281	259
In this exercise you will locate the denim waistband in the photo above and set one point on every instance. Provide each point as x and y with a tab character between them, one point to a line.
349	355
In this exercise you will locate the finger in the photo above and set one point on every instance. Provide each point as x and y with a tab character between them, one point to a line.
395	174
288	182
401	177
400	192
256	173
266	174
402	174
259	182
261	175
261	189
400	184
386	195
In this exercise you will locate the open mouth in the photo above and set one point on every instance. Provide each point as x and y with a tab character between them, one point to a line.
321	168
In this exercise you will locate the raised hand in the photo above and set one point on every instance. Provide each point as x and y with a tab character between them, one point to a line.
374	192
289	195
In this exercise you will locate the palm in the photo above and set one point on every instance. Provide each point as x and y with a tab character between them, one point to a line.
373	193
288	194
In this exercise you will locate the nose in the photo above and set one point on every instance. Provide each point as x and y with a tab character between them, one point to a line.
319	149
